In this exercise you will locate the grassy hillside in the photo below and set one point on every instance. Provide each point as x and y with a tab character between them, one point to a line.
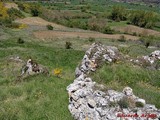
41	97
36	97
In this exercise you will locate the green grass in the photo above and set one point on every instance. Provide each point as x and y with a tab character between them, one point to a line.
113	23
36	97
96	8
43	97
40	97
145	83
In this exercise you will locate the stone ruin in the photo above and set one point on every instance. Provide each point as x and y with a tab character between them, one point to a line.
88	103
151	61
28	68
31	67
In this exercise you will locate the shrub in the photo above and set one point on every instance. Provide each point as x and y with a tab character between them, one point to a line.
14	13
134	34
139	104
34	12
12	25
118	13
68	45
122	38
83	9
24	7
31	8
4	17
91	39
3	11
143	19
108	30
97	24
20	41
147	44
49	27
112	104
123	103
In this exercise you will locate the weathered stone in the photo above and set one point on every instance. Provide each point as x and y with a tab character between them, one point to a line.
150	107
98	93
78	72
91	103
128	91
142	101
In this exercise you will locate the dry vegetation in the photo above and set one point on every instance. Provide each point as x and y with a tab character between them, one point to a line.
58	34
134	29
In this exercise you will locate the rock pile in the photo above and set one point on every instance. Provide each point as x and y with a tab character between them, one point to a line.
32	67
153	57
151	61
88	103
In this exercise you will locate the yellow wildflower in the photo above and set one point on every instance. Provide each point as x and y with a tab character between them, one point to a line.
57	72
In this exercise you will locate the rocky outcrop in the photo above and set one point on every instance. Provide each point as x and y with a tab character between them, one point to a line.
88	103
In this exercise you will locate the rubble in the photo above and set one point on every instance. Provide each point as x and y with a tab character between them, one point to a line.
151	61
31	67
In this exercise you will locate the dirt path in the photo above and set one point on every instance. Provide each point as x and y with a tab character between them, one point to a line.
58	34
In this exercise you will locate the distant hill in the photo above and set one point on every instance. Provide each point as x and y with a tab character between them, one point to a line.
145	1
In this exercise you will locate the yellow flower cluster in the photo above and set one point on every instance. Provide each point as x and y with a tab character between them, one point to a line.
22	26
57	72
3	11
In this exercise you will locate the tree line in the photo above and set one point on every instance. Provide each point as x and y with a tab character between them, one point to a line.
141	18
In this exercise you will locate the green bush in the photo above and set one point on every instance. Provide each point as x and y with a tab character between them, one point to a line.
14	13
134	34
34	12
20	41
139	104
33	8
49	27
68	45
143	18
91	39
112	104
97	24
123	103
118	13
6	22
122	38
108	30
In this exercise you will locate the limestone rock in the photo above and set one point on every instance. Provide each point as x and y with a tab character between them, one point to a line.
128	91
87	101
91	103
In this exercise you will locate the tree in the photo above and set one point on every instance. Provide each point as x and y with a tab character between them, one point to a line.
143	19
118	13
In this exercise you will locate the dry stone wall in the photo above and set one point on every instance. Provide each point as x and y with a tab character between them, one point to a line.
87	103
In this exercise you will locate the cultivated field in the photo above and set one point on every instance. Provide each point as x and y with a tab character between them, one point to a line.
69	32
